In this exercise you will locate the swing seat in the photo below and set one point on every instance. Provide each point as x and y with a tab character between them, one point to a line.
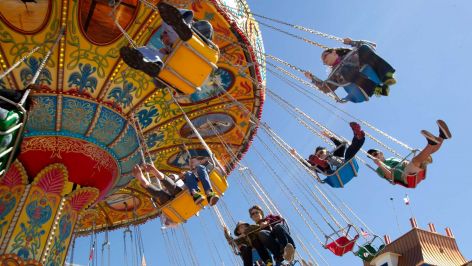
182	207
367	252
343	174
356	94
190	64
413	180
342	245
8	119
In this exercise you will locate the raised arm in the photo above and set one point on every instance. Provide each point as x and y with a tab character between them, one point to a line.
150	168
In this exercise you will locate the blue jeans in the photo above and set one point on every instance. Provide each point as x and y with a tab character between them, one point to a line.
276	239
191	180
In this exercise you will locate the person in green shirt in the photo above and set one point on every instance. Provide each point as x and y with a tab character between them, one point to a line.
396	170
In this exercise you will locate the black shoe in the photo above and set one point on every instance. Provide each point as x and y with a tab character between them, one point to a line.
172	16
444	132
385	90
212	198
432	139
134	59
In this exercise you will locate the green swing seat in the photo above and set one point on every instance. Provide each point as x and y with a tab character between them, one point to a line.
368	251
9	120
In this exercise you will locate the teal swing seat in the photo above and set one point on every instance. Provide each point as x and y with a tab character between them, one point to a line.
356	94
343	174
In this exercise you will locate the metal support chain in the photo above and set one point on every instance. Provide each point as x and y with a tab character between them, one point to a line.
21	60
316	32
318	99
295	36
295	199
306	83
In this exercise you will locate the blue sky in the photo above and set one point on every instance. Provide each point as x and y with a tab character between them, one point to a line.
427	42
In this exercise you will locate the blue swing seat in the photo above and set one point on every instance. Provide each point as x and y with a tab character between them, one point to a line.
343	174
356	94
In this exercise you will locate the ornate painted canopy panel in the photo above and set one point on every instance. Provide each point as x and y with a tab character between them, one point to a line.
83	114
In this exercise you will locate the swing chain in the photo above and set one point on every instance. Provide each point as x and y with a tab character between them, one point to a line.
322	46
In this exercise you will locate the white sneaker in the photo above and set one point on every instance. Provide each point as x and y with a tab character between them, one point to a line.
289	253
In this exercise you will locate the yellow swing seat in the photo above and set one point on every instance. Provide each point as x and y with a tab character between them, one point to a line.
190	64
182	207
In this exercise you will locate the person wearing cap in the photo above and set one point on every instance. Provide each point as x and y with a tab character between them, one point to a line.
246	239
274	234
396	170
177	24
198	172
327	162
172	185
346	65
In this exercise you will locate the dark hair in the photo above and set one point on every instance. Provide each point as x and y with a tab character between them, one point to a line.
236	233
372	151
256	207
341	52
319	148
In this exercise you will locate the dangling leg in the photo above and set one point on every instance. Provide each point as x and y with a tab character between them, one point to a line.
363	82
270	243
142	58
434	144
357	141
190	181
263	252
204	28
383	69
369	87
246	255
281	233
205	179
172	16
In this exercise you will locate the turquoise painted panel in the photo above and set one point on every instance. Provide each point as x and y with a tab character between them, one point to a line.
77	115
42	116
109	126
127	144
127	166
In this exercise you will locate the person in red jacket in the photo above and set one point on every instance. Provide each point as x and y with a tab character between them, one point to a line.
274	235
327	162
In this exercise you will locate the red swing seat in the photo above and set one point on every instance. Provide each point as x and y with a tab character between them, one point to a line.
413	180
341	245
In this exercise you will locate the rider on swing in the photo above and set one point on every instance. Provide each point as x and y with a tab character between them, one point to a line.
346	66
177	23
396	169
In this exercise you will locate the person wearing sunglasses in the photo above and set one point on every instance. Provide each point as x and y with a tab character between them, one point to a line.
396	170
327	162
274	234
346	67
177	24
